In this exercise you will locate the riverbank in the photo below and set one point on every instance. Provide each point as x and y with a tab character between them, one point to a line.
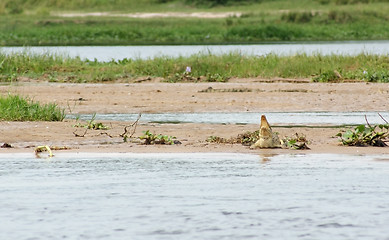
153	96
268	21
115	31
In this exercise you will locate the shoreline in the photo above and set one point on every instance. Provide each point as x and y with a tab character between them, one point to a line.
193	138
154	96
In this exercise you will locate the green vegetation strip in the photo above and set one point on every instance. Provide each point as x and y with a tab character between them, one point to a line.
203	67
28	23
16	108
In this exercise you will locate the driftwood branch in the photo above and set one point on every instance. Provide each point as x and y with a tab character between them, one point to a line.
105	133
78	135
131	128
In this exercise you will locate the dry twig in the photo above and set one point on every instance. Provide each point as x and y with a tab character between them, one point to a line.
368	124
383	118
132	126
78	135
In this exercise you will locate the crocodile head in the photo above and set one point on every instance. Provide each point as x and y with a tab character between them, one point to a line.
265	129
267	139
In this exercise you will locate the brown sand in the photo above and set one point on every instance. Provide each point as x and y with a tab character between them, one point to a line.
153	96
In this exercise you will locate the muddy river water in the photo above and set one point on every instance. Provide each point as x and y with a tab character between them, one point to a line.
194	196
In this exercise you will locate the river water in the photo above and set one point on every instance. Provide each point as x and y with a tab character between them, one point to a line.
108	53
288	118
194	196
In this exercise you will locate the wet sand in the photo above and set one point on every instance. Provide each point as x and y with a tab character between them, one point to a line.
153	96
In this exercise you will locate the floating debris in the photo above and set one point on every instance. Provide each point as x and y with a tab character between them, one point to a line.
44	148
6	145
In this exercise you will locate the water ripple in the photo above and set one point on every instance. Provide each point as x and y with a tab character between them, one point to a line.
194	196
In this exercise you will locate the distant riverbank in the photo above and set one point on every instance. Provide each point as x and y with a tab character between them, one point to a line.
178	24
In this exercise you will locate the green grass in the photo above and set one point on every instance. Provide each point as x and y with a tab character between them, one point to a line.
205	67
281	20
33	6
17	108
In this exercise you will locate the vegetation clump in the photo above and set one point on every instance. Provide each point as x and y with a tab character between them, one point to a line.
328	76
247	139
188	76
17	108
376	76
298	142
151	138
364	135
92	124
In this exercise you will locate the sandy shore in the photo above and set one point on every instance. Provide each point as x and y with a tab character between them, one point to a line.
153	96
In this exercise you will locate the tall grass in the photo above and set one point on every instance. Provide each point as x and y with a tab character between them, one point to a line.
374	68
17	108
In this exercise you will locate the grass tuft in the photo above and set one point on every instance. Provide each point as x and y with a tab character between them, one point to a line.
17	108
